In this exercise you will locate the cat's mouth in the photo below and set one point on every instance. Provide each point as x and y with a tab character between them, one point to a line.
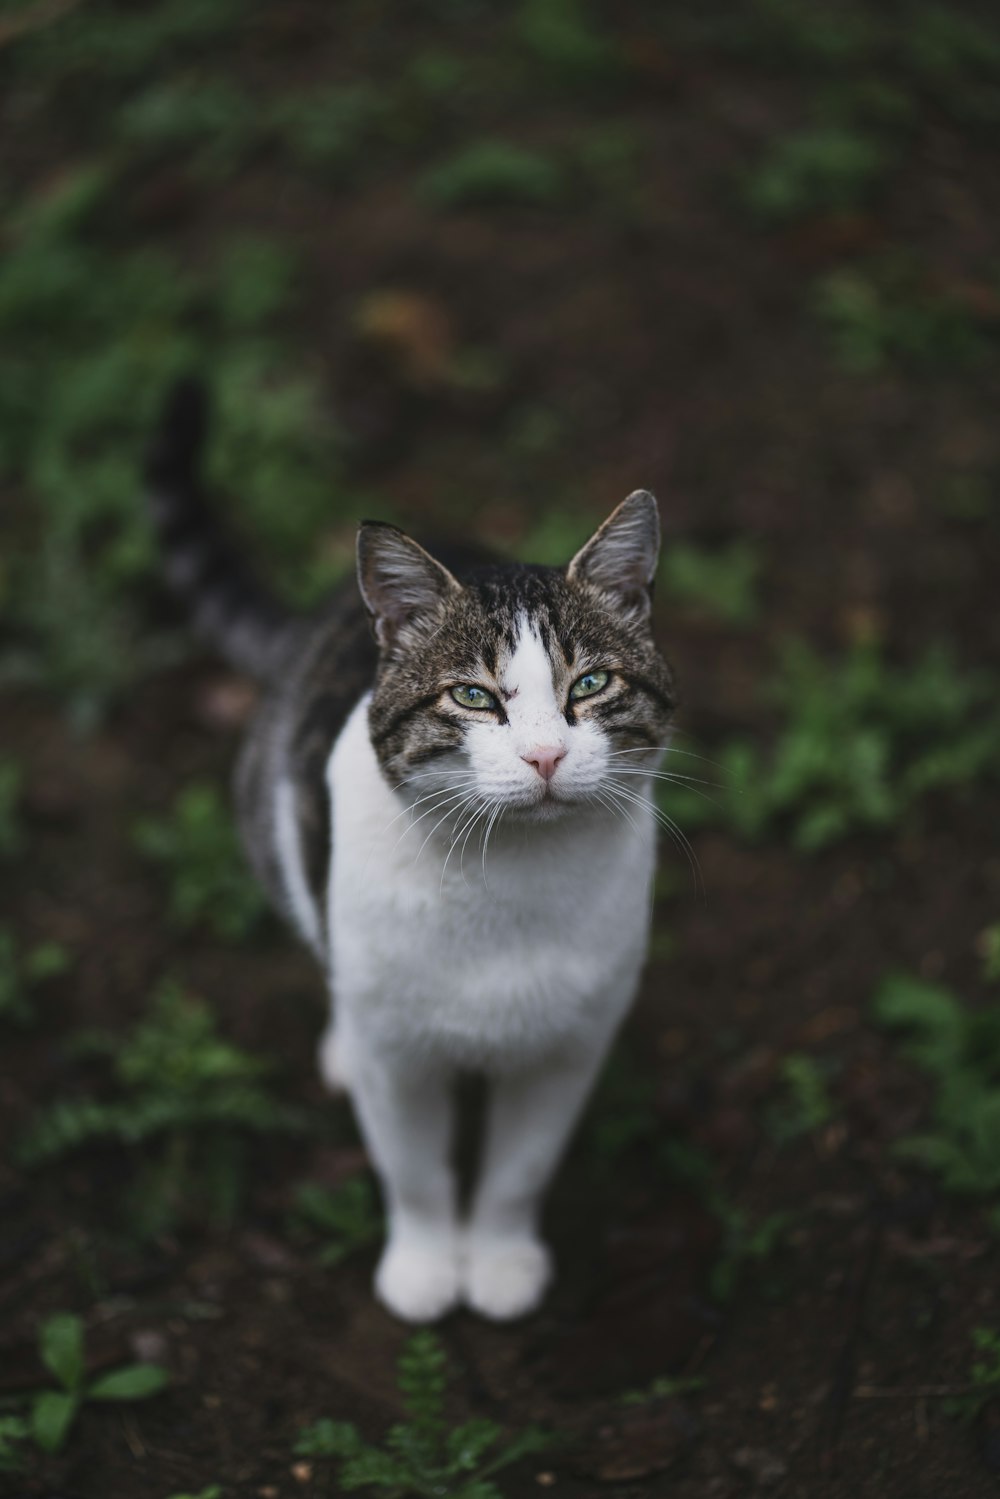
544	805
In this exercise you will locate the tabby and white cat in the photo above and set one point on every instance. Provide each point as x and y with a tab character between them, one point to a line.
506	711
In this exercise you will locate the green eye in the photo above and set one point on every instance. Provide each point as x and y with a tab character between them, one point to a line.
473	697
589	683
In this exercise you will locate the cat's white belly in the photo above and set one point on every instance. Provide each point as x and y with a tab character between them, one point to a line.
496	969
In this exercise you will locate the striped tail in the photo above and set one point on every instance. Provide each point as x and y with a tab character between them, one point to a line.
226	603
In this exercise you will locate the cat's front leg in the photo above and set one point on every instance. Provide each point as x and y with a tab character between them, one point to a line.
404	1109
506	1266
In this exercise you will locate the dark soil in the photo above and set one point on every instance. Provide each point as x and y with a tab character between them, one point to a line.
673	337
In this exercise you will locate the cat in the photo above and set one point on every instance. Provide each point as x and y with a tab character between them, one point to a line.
441	706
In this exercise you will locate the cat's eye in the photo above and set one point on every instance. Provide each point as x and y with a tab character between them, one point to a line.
590	683
469	696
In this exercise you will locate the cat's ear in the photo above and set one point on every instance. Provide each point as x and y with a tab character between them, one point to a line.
399	581
620	558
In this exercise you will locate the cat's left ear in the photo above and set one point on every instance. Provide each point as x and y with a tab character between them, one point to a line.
620	558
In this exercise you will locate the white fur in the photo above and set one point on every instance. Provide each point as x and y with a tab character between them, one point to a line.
520	961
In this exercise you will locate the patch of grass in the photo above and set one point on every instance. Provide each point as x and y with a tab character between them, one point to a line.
746	1246
119	327
719	582
826	169
14	1430
805	1106
622	1114
422	1455
21	973
104	40
492	171
562	36
53	1412
868	100
348	1217
554	538
788	31
665	1387
956	58
208	116
197	848
959	1051
328	130
990	942
179	1086
273	435
212	1491
11	832
858	745
885	315
253	282
984	1375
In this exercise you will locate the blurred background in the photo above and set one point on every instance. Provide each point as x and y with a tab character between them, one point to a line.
481	270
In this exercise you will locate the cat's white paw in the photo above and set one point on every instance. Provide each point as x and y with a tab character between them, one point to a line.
505	1278
331	1062
418	1282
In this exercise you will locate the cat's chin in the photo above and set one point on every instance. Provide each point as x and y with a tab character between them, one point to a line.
548	808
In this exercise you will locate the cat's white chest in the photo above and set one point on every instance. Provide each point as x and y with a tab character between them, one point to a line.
488	962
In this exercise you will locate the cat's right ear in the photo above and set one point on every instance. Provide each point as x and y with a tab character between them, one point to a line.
399	581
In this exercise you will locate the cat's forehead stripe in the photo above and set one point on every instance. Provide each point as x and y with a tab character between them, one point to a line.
528	670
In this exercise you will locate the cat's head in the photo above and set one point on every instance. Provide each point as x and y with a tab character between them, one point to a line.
520	687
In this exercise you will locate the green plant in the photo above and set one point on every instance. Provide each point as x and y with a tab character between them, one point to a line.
665	1387
421	1455
11	778
984	1376
328	130
208	116
956	58
181	1087
886	314
788	31
959	1050
198	850
53	1412
830	169
119	326
746	1245
560	35
720	582
211	1491
859	743
991	953
622	1113
124	46
13	1431
348	1217
492	171
20	973
805	1106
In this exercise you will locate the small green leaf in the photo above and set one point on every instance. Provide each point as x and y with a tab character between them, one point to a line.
326	1438
51	1418
134	1382
61	1347
467	1443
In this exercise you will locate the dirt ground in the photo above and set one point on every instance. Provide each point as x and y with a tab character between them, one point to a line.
672	334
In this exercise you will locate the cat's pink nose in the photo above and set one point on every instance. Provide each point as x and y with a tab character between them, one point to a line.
545	758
